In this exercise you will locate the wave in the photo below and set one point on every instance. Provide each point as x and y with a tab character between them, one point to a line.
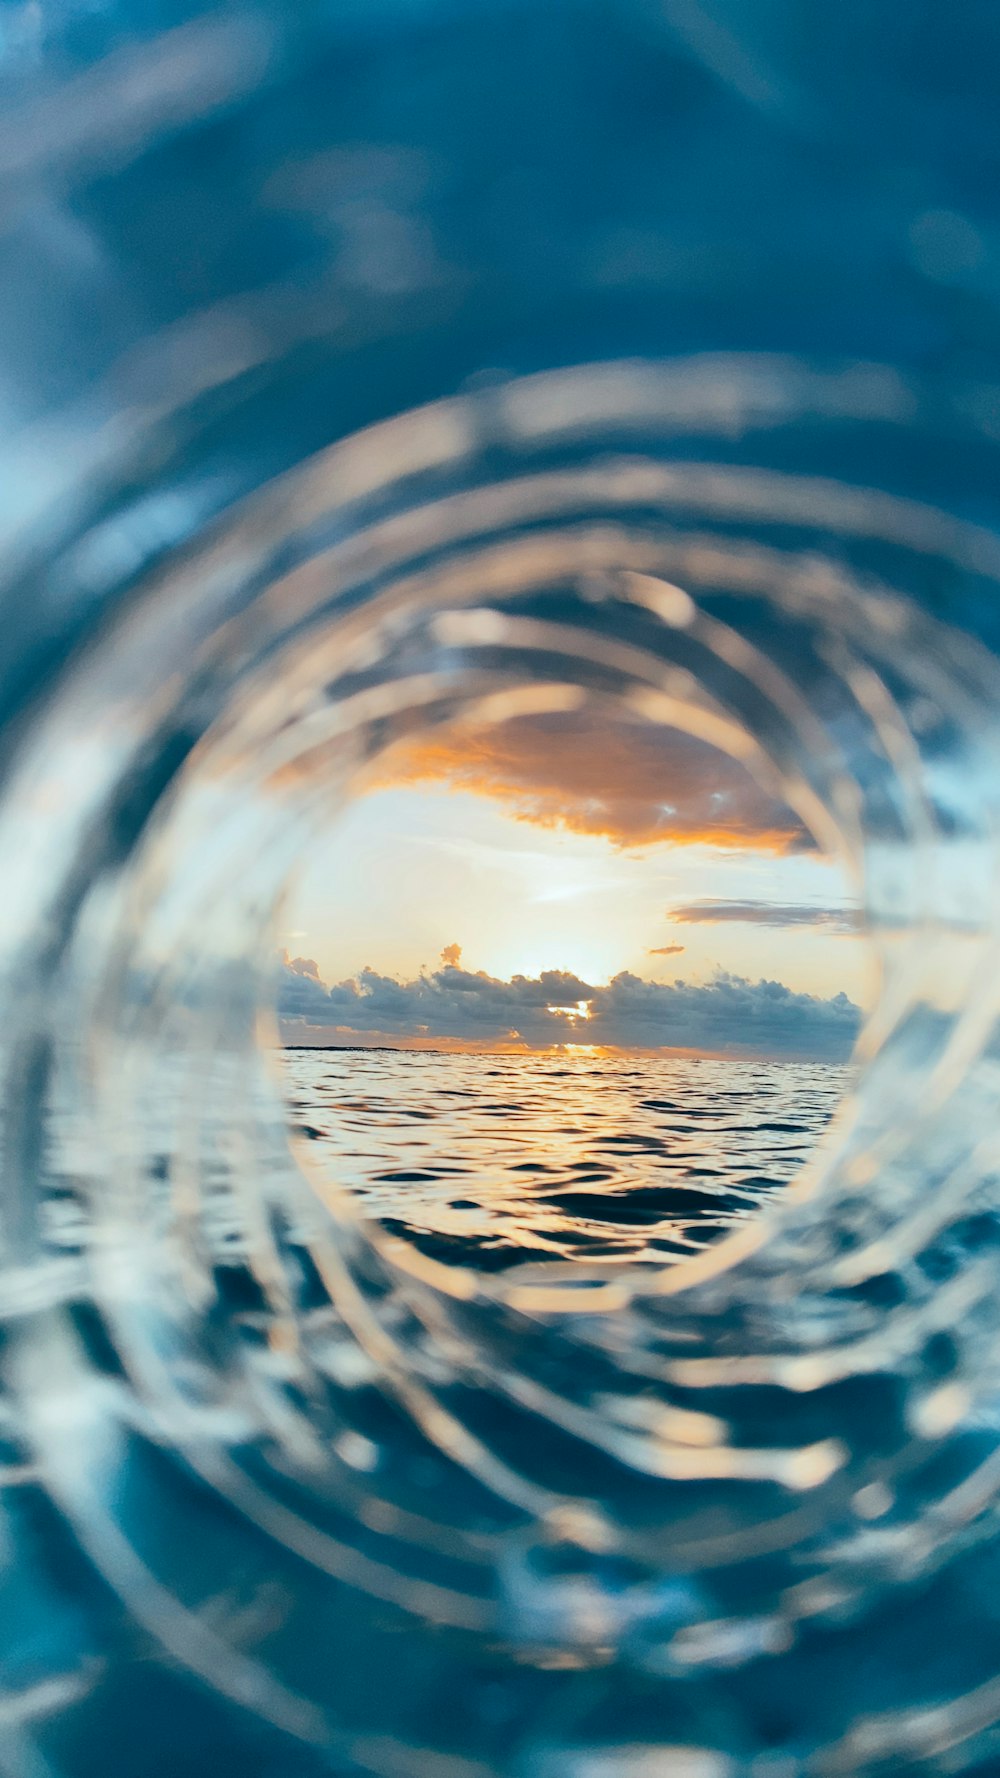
367	371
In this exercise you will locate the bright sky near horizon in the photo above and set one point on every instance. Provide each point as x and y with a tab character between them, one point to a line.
414	869
555	845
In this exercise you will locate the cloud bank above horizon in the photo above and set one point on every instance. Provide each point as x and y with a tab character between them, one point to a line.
459	1008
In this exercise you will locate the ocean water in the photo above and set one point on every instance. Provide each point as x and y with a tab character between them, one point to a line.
496	1161
365	367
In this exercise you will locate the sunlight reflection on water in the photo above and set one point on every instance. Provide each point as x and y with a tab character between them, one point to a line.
497	1161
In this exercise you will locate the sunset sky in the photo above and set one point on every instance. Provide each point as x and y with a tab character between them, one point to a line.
556	879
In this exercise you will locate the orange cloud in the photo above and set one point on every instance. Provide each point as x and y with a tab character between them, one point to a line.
664	950
634	784
451	956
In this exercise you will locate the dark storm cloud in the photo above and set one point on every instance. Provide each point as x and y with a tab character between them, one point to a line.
729	1015
635	784
712	912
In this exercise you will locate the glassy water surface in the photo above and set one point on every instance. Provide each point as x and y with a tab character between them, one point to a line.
494	1161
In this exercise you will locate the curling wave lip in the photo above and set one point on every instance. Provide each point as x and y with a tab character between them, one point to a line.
362	372
646	1475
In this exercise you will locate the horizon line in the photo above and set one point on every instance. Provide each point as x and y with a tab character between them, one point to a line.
555	1049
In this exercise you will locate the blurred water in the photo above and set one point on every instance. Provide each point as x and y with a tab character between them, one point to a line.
365	368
